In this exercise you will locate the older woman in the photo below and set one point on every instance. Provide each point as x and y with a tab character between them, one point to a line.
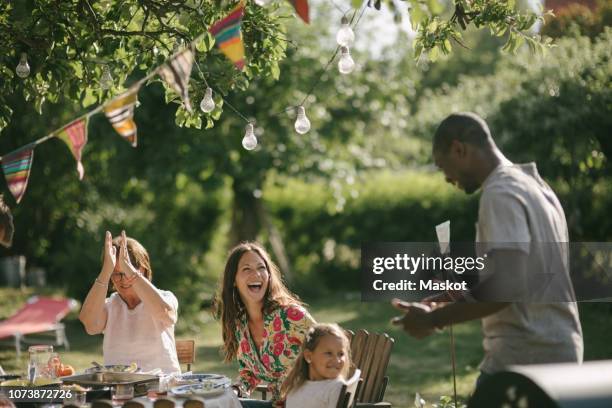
137	319
264	324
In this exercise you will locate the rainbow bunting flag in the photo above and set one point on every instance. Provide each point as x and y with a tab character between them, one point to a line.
228	36
176	73
75	136
120	113
301	8
16	166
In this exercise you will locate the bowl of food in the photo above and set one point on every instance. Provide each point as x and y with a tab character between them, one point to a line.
114	368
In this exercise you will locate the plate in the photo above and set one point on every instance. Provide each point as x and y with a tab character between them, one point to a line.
206	385
195	378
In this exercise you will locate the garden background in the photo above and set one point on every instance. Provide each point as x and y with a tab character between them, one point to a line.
363	173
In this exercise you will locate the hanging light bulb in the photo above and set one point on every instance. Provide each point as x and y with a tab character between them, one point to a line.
23	68
302	124
106	81
249	141
346	65
208	104
345	36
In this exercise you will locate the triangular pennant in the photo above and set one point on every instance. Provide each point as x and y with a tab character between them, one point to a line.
228	36
176	73
16	166
75	136
120	113
301	8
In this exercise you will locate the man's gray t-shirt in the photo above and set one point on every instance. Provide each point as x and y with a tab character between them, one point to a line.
519	211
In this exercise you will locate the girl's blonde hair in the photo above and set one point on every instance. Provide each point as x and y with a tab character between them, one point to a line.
299	373
228	305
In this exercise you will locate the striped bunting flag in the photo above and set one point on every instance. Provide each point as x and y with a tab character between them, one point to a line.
16	166
176	73
228	36
301	8
120	113
75	136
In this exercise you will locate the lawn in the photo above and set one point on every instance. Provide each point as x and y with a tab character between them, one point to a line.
416	366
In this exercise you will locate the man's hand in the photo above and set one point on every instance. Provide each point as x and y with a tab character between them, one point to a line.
416	320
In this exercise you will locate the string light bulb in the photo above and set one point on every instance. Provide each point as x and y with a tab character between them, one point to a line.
302	124
23	68
249	141
208	104
345	35
346	65
106	80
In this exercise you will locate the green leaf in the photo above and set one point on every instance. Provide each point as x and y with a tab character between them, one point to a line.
435	6
89	98
433	54
447	47
417	16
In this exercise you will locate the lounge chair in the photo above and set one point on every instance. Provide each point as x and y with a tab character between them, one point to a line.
39	315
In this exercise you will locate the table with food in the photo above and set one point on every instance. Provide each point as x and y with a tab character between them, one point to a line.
49	382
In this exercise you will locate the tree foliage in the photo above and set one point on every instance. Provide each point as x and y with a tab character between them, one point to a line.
69	44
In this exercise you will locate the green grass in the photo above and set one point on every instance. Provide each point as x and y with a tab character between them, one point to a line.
416	365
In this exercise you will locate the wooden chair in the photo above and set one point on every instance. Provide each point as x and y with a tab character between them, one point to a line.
348	391
185	351
370	353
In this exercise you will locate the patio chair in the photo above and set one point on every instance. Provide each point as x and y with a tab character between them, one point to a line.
39	315
185	351
348	391
370	353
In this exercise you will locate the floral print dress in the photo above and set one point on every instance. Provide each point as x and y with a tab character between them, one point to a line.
284	331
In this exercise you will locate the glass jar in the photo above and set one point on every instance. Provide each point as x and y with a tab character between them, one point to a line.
38	365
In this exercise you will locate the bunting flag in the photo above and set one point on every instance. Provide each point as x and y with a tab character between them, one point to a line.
301	8
176	73
120	113
228	36
16	166
75	136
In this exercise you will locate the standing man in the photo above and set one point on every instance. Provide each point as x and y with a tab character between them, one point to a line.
6	224
525	299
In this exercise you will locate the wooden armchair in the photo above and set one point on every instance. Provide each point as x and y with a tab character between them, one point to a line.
370	353
185	351
347	392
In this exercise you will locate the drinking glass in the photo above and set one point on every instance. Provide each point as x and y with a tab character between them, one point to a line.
121	393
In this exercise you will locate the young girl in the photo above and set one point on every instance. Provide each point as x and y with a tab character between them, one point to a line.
320	370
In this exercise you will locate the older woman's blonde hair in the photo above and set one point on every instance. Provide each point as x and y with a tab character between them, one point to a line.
139	257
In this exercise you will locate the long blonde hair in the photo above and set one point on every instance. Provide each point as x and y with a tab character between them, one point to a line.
228	304
299	373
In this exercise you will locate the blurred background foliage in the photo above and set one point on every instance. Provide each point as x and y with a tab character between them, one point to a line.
363	172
